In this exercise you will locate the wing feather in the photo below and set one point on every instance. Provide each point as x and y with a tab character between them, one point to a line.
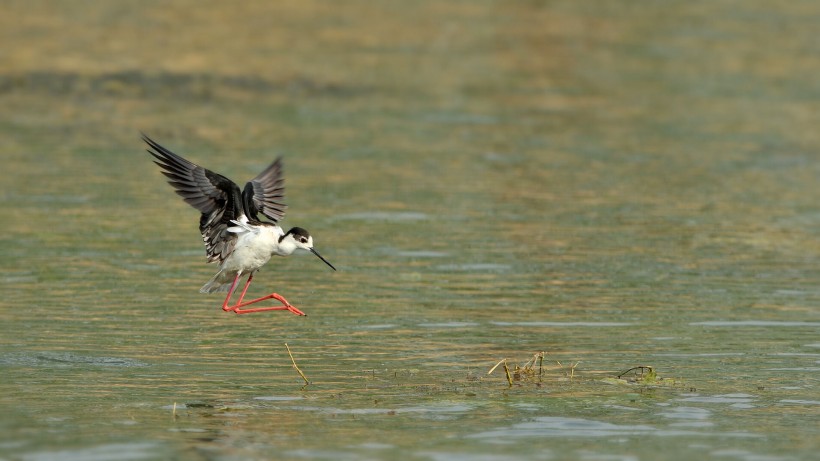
264	193
215	196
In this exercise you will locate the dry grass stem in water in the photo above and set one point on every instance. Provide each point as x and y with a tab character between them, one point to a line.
296	366
506	370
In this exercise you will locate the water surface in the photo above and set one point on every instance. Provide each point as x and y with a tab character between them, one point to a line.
614	184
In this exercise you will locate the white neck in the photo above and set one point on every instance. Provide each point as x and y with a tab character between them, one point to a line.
286	247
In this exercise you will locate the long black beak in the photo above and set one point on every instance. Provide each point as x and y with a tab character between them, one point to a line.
323	259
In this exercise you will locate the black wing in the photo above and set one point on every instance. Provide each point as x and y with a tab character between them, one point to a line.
264	193
215	196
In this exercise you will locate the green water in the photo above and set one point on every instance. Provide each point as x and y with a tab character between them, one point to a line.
616	184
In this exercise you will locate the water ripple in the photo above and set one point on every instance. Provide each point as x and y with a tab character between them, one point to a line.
754	323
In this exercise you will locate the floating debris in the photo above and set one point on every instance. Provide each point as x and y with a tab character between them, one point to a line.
522	373
641	375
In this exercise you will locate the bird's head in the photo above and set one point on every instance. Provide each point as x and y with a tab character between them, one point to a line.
299	239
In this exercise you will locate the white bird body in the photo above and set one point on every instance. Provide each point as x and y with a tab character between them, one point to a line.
254	247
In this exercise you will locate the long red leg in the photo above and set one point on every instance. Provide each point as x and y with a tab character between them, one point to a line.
245	290
225	306
237	308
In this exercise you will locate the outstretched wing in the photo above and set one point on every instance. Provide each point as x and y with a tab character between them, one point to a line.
264	193
215	196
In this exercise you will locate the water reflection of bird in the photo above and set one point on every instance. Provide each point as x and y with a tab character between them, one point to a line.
231	230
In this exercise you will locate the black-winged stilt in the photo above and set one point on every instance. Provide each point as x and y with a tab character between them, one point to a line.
231	230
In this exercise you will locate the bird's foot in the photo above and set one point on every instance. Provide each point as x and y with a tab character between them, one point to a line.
293	309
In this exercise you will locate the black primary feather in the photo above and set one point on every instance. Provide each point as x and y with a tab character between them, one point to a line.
264	193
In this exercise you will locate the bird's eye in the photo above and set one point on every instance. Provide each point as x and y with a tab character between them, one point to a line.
303	240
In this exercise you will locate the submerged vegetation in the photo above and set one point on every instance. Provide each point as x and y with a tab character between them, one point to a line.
534	371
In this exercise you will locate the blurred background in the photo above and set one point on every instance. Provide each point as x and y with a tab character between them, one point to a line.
615	184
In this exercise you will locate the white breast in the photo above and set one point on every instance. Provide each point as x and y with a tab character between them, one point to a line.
253	249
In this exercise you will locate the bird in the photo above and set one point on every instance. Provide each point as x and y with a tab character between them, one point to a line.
233	234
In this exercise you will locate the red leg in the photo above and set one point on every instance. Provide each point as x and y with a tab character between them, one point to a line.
245	290
237	308
225	306
286	305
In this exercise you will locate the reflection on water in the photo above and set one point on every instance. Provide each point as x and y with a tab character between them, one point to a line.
616	185
562	427
756	323
66	359
113	452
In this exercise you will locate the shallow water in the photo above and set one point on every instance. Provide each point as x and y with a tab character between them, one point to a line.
616	185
